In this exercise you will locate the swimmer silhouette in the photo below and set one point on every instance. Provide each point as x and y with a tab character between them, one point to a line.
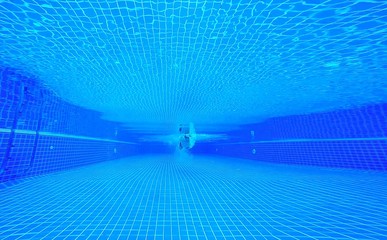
187	137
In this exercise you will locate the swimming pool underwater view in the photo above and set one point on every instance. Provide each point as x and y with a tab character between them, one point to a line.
181	119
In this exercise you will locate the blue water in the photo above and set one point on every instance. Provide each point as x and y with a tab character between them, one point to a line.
219	64
284	106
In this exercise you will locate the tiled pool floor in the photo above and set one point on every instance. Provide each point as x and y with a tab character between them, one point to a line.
181	197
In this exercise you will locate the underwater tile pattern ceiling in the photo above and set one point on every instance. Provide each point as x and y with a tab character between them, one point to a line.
201	61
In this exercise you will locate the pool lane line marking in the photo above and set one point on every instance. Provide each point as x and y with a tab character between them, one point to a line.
51	134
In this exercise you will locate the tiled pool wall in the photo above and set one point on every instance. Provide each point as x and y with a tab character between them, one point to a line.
354	138
40	133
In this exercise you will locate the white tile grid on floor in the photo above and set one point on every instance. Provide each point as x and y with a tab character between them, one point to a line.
170	197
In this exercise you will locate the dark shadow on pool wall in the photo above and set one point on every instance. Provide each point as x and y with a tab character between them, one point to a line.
40	133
